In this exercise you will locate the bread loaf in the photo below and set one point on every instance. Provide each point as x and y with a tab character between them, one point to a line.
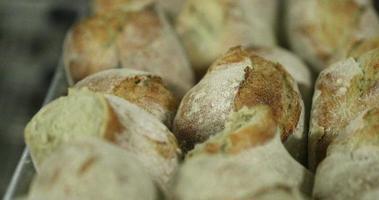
241	79
350	170
294	66
342	91
218	177
141	40
321	31
84	114
252	137
140	88
208	28
92	169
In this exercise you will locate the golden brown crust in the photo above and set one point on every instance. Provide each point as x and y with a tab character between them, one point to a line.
89	46
244	138
234	55
266	83
114	126
142	90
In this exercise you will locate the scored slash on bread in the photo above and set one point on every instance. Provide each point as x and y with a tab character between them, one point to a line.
241	79
245	159
141	88
342	92
293	65
92	169
141	40
84	114
350	170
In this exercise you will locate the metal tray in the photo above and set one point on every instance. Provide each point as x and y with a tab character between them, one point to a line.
23	175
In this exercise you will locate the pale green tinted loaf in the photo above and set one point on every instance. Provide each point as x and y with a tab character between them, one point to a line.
110	118
80	115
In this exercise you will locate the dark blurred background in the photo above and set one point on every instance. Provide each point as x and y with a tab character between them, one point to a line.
31	36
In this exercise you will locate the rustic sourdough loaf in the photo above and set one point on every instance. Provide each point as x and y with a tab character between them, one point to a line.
252	137
141	40
321	31
241	79
141	88
208	28
350	170
92	169
342	91
84	114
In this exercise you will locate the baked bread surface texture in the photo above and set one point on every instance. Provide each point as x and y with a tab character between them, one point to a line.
141	88
84	114
92	169
342	92
350	170
323	31
241	79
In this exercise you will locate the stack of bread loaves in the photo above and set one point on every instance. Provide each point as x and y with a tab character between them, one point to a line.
134	126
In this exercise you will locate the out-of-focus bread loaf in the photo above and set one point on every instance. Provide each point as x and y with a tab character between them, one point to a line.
342	91
241	79
141	40
321	31
84	114
171	7
92	169
140	88
218	177
350	170
208	28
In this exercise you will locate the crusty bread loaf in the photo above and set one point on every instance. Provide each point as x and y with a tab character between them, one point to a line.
294	66
172	7
208	28
141	40
342	91
321	31
84	114
218	177
350	170
251	136
140	88
238	79
92	169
